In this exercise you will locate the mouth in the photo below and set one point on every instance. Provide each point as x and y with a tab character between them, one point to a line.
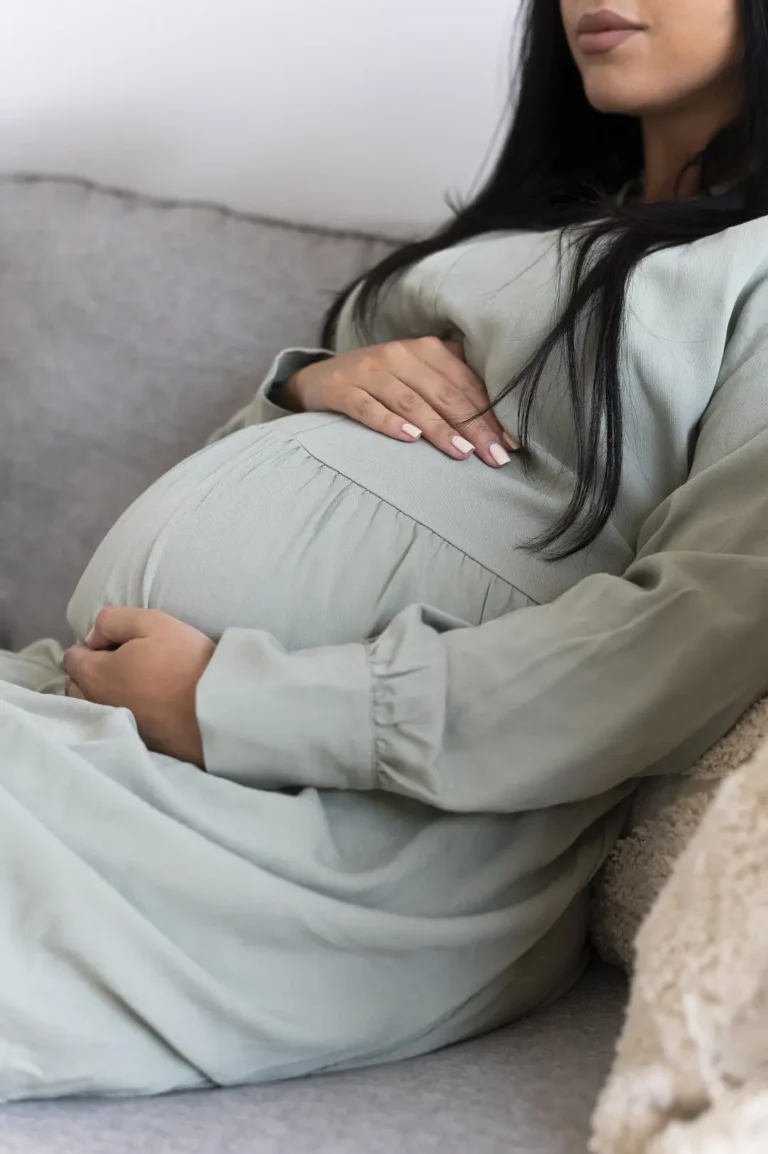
601	32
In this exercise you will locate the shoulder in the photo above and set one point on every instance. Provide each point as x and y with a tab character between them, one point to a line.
738	410
740	265
710	295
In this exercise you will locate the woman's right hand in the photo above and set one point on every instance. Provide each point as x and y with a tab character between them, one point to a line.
406	390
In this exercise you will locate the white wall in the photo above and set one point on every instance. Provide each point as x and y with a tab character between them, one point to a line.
353	112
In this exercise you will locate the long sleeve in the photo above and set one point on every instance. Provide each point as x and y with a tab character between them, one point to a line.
619	677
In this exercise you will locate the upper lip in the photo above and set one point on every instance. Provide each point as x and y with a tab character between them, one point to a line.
605	21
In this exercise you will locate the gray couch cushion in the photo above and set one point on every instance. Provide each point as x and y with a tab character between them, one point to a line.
526	1090
129	329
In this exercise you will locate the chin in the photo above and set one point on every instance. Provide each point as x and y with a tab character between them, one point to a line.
612	93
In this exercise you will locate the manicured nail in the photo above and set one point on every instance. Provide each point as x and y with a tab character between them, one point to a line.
89	637
412	431
513	444
500	456
462	445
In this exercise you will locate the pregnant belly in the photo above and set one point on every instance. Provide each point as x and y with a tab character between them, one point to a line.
256	531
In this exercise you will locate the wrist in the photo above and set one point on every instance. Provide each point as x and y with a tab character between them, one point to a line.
289	393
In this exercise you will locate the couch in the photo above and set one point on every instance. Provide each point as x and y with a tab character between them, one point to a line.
130	328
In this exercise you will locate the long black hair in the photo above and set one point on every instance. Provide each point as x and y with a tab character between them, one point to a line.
561	167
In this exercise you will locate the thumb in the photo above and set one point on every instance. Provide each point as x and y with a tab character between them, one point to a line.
115	625
83	668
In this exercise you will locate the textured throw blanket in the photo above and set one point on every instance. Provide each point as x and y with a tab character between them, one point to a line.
691	1072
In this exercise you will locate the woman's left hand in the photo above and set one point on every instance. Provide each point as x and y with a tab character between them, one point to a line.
150	663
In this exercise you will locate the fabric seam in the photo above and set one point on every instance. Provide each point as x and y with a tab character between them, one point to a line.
148	200
410	516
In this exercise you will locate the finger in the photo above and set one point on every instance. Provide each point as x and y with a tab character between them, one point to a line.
485	430
469	399
115	625
447	358
433	403
367	410
73	690
407	412
457	404
85	668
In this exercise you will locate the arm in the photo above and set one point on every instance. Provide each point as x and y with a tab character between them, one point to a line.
619	677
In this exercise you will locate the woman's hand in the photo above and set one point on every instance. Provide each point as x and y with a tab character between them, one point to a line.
149	663
406	390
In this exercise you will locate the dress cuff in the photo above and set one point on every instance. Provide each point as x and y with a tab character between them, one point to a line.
274	720
285	364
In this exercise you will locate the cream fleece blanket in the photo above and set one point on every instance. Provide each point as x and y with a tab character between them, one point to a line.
691	1072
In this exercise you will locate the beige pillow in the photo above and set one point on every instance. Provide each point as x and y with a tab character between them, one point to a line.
666	812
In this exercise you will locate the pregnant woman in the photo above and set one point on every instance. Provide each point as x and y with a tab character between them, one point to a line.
355	711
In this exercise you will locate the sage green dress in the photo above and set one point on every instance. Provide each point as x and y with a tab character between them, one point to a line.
419	736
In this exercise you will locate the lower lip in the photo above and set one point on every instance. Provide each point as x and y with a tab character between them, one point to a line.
598	43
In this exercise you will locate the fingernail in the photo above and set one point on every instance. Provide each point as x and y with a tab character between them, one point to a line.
500	456
412	431
89	637
462	445
513	444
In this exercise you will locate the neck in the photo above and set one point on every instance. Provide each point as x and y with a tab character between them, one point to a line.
672	141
